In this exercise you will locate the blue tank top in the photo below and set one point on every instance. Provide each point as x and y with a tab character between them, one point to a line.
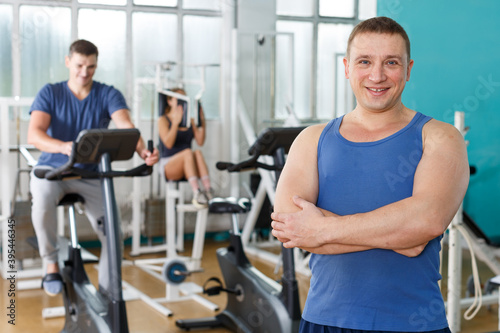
377	289
182	141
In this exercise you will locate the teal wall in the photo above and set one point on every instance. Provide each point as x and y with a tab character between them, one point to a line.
456	48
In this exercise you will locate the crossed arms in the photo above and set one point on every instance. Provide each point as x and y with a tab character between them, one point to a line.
405	226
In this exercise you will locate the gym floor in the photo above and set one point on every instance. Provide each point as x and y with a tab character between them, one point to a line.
142	318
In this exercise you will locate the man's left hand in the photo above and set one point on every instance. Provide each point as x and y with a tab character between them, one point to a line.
301	229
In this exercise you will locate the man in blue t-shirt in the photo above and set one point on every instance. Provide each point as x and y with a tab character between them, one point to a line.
369	195
59	112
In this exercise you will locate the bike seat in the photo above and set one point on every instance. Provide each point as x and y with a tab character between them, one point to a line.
229	205
70	199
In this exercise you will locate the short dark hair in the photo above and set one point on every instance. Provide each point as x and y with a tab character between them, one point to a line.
84	47
381	25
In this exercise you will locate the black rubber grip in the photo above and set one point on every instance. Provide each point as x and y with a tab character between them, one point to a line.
224	165
40	173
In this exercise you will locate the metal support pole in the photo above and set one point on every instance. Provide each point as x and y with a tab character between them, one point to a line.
455	257
112	230
5	174
454	274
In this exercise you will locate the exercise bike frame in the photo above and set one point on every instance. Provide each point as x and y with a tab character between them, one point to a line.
89	310
256	303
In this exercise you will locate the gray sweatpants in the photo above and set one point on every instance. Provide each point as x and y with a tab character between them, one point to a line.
45	196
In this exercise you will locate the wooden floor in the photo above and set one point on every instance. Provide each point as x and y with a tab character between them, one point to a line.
142	318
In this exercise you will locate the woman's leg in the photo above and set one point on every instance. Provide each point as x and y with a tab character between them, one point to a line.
203	169
183	165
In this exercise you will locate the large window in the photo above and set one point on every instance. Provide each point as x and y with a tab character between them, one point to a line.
44	42
302	59
132	36
295	7
201	4
332	42
105	2
367	9
106	29
154	40
202	58
5	50
321	29
160	3
344	8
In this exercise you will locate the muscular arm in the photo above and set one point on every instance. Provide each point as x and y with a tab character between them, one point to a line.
37	135
335	248
121	118
300	178
299	175
440	183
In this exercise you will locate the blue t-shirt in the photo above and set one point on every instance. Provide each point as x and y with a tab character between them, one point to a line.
378	289
69	115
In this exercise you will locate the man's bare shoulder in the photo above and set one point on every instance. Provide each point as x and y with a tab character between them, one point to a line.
436	127
311	134
304	147
437	133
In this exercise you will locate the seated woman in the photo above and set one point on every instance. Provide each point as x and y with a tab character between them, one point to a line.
178	160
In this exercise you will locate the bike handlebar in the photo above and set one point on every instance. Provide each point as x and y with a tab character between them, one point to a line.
72	172
246	165
268	142
68	170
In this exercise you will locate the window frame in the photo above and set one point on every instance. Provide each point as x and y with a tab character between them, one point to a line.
316	19
129	9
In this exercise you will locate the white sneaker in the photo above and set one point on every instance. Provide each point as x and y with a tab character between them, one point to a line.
209	194
200	200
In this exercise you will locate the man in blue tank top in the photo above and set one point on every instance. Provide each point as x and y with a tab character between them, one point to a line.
59	112
369	195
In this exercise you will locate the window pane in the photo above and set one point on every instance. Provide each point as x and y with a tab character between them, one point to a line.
295	7
336	8
202	4
203	48
344	97
45	41
154	38
332	41
160	3
5	50
106	29
281	75
105	2
367	9
302	68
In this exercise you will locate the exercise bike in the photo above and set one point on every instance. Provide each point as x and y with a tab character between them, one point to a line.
255	303
87	309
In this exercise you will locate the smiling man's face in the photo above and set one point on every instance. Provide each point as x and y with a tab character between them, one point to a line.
378	69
